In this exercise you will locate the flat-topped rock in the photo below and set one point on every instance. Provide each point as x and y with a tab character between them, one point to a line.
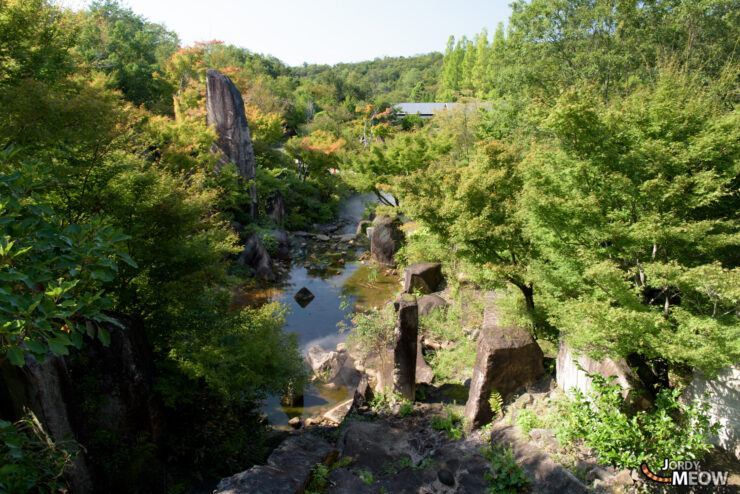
424	277
507	359
430	303
288	468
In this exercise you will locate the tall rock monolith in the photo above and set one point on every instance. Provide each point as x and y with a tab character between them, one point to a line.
405	336
225	113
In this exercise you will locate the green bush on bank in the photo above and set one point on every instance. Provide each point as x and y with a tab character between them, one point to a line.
625	438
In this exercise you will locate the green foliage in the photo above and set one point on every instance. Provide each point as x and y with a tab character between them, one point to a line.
506	477
407	409
319	478
31	461
129	49
53	273
365	475
636	221
527	420
383	401
451	423
496	402
244	355
625	438
372	332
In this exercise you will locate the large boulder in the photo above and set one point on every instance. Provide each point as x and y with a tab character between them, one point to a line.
283	244
386	239
424	277
288	468
430	303
569	376
724	402
255	255
276	208
325	364
225	113
508	359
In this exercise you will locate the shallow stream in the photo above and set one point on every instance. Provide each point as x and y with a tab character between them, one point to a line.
340	282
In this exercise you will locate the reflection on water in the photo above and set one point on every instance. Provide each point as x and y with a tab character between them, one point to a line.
333	274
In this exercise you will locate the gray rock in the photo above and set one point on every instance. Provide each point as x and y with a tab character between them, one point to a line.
325	364
322	237
283	244
545	438
303	296
225	113
276	208
405	337
369	231
570	376
386	239
547	477
446	477
507	359
287	470
337	414
424	373
362	226
430	303
255	255
423	276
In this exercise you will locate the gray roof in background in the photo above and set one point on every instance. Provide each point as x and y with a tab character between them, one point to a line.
422	108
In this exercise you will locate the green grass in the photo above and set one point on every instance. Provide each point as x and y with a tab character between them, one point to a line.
451	423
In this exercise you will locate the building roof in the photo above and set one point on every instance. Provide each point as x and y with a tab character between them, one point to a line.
422	108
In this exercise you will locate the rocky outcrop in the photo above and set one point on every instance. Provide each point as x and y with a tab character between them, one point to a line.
424	373
362	227
406	457
276	208
405	337
122	405
507	359
282	240
288	468
45	389
255	255
430	303
325	364
547	477
424	277
569	376
724	401
386	239
225	113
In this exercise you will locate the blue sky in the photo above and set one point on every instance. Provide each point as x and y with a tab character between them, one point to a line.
323	31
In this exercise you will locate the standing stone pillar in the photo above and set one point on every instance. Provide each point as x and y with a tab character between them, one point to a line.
225	113
405	337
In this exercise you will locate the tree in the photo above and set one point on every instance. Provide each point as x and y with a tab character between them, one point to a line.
634	210
129	49
52	272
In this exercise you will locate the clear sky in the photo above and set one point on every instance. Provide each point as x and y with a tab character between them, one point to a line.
323	31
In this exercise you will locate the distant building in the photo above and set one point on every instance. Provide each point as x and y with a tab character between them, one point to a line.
424	110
